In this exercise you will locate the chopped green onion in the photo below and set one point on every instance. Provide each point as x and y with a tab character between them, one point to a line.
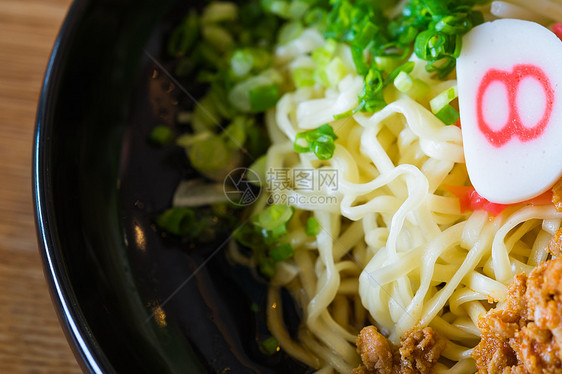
218	38
297	9
266	266
406	67
366	34
454	24
259	167
209	155
403	82
361	64
221	105
333	72
440	106
419	90
219	12
234	135
256	93
187	140
287	9
379	45
413	87
320	141
246	60
263	97
312	227
280	8
279	231
385	63
258	27
348	113
323	55
161	135
281	252
241	62
273	216
206	115
264	237
444	98
269	346
448	115
179	221
315	16
371	96
303	77
289	31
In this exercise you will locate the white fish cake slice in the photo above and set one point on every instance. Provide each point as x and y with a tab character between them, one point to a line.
510	98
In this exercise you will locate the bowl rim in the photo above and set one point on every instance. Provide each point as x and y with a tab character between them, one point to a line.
86	350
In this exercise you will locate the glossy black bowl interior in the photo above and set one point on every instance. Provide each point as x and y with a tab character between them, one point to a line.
131	300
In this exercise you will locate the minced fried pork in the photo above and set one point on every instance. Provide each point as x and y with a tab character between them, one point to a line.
418	352
524	334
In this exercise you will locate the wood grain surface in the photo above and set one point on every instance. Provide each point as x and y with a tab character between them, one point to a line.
31	339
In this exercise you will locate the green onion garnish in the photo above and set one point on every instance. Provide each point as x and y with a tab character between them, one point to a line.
403	82
217	37
179	221
274	216
312	227
289	31
161	135
209	154
247	60
320	141
433	28
241	62
303	77
331	74
265	237
440	106
263	97
234	135
448	115
269	346
221	11
259	167
281	252
266	265
323	55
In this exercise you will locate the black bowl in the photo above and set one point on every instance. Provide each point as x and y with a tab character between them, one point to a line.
129	298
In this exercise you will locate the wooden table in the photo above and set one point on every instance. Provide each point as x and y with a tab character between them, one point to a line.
31	339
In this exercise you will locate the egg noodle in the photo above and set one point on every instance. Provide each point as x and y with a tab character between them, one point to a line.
394	246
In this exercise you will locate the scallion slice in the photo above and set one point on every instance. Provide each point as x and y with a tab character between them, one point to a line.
221	11
320	141
273	216
263	97
281	252
209	155
312	227
179	221
161	135
440	106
